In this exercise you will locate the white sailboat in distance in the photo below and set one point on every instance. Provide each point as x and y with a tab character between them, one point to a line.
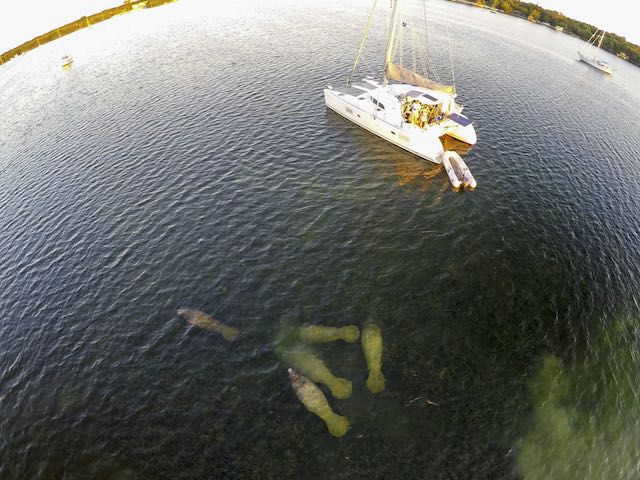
591	58
405	108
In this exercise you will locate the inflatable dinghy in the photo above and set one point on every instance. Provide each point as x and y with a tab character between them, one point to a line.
458	172
453	178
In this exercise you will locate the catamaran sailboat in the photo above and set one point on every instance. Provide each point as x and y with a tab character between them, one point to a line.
591	59
405	108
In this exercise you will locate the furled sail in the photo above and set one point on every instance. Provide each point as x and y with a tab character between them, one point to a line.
404	75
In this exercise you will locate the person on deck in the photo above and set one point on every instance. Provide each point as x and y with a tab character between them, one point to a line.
423	118
415	112
406	108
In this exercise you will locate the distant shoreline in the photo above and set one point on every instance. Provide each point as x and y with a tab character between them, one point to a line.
82	22
613	43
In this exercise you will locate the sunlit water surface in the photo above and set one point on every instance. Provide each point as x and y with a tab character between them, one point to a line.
187	159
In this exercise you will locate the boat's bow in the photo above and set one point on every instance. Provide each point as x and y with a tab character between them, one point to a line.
461	128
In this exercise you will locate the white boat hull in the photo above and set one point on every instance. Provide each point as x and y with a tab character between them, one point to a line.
595	63
425	144
464	134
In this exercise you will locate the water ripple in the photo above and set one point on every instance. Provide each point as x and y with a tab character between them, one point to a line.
187	159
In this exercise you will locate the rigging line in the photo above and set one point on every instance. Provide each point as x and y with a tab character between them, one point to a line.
434	70
414	48
401	43
398	45
601	39
366	68
417	47
589	41
421	54
423	62
426	30
366	30
453	72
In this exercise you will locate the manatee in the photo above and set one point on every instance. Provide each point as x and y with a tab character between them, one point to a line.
314	368
207	322
322	334
372	348
315	401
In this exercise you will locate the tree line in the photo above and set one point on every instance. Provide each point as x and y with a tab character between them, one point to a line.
82	22
612	43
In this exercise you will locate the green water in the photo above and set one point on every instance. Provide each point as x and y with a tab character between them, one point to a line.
584	422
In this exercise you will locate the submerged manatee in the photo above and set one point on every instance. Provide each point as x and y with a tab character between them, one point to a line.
322	334
207	322
314	368
315	401
372	348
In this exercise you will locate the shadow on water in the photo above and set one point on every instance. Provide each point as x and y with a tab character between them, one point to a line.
409	168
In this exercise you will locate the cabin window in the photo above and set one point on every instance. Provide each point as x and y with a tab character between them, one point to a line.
375	102
348	110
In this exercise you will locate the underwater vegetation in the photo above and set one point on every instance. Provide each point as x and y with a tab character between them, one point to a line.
585	421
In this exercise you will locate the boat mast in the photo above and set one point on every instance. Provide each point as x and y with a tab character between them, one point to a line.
391	36
601	38
592	38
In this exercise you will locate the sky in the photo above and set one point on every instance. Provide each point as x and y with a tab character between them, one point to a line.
22	20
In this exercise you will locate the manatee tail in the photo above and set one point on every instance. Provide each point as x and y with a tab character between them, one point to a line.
340	388
337	425
350	334
230	333
375	382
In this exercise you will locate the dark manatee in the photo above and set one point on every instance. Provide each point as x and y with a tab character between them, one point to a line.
207	322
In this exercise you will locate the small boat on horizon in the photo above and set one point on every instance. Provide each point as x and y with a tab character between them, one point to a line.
590	58
66	60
